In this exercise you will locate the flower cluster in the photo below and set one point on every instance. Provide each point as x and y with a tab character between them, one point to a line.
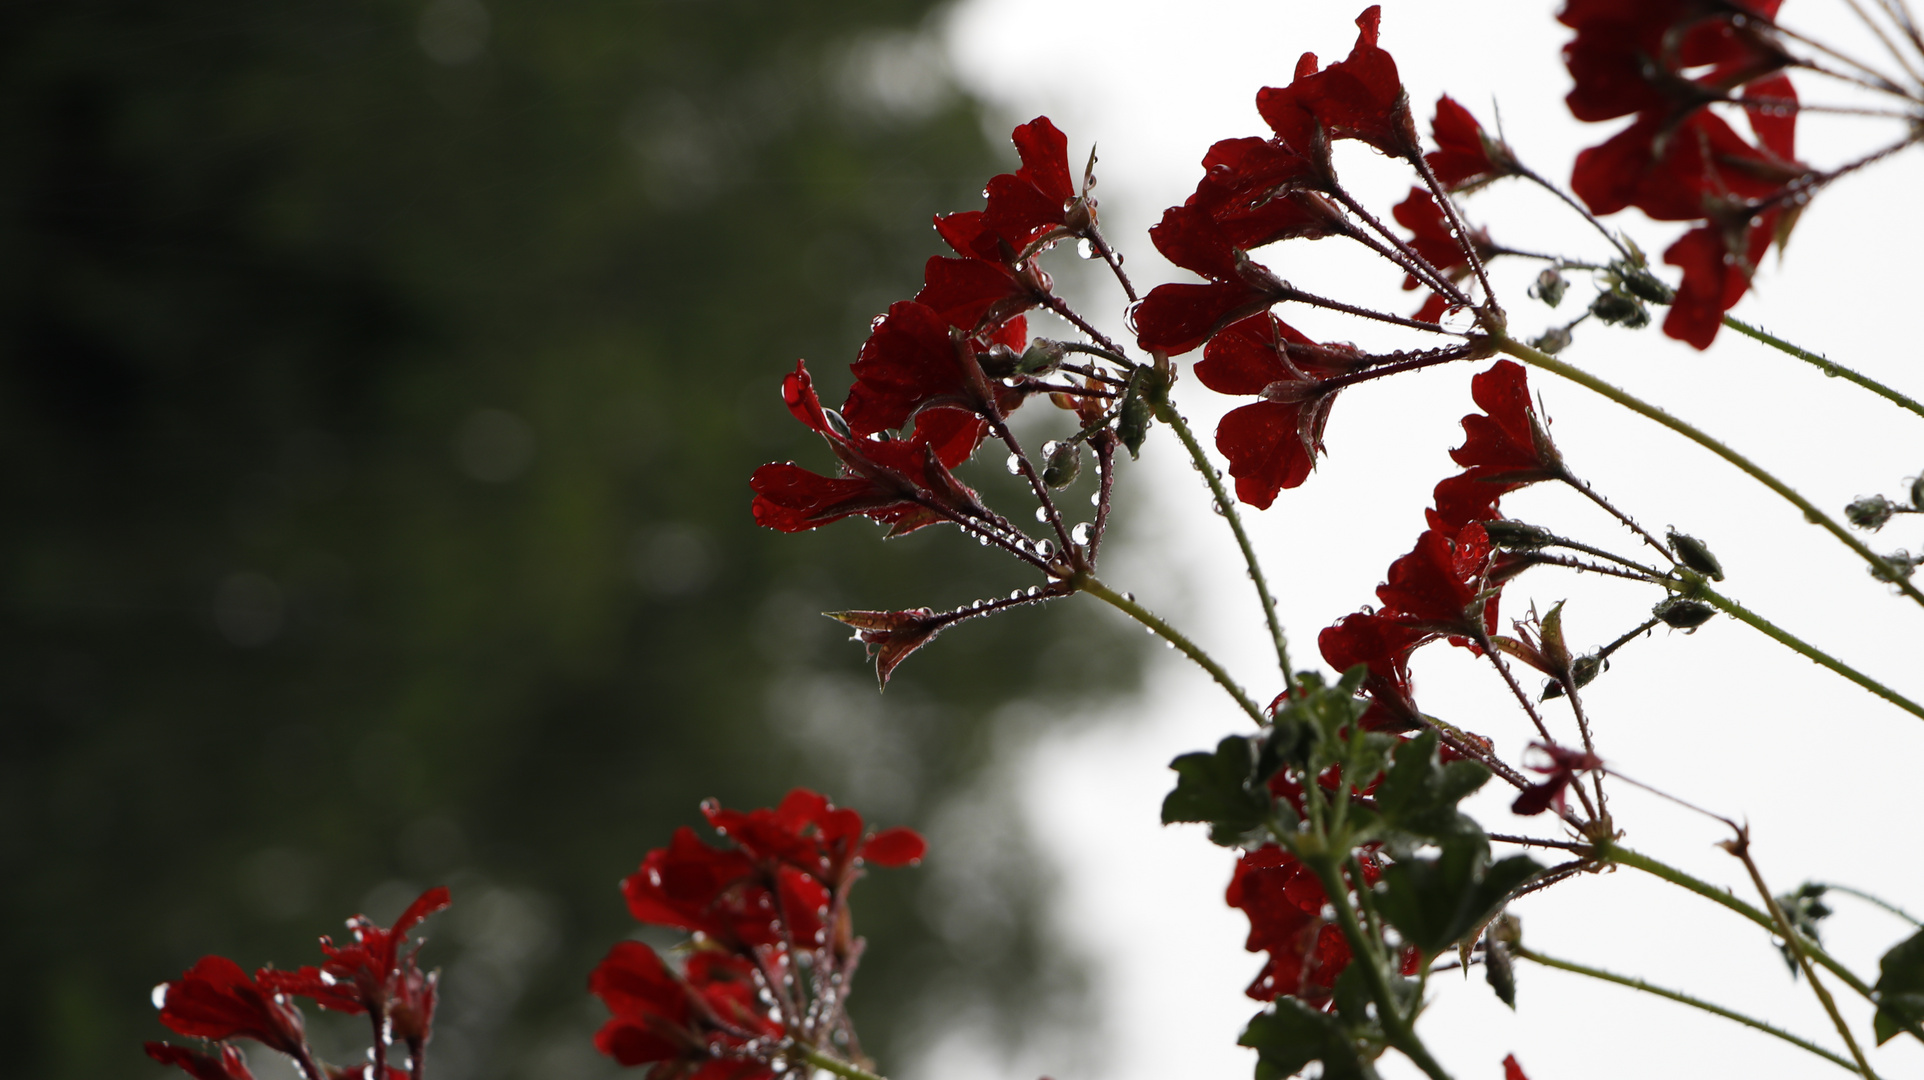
773	950
376	976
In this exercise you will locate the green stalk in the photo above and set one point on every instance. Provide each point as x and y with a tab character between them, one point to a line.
1828	367
1623	856
1165	411
1538	358
835	1065
1682	998
1088	583
1694	587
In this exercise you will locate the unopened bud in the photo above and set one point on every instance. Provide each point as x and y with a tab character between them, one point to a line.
1549	288
1065	461
1042	357
999	361
1680	614
1583	671
1870	512
1693	554
1554	340
1917	493
1619	310
1902	564
1517	535
1645	285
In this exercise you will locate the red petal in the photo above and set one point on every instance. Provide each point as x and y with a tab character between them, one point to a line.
969	292
1460	152
1045	159
895	847
1177	318
1511	1070
1264	443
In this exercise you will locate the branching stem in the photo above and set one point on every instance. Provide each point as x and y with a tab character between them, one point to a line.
1088	583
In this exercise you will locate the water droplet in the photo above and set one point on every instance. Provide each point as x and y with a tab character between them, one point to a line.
1095	498
1082	533
1015	594
1042	515
981	540
160	996
1015	465
1129	596
1168	644
976	606
1035	590
1044	548
1049	447
1085	249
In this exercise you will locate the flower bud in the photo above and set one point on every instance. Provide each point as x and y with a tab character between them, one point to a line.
1692	553
1870	512
1917	493
1644	285
1680	614
1619	310
1065	462
1549	288
1042	357
999	361
1554	340
1517	535
1583	670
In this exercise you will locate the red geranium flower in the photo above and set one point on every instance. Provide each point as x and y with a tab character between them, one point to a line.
686	1028
1432	238
215	999
893	481
1465	155
1360	97
1505	447
1512	1070
1674	170
911	362
1440	586
373	975
1284	902
691	886
812	834
1631	56
1563	767
1272	444
1717	260
1385	643
229	1065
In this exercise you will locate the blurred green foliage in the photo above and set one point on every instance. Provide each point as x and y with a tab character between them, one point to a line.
378	388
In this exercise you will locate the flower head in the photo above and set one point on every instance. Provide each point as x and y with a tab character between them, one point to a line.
227	1064
1561	770
1272	443
695	1027
215	999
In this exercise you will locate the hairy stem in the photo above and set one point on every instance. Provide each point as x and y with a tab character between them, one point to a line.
1693	586
1538	358
1166	412
832	1064
1825	365
1085	582
1401	1033
1682	998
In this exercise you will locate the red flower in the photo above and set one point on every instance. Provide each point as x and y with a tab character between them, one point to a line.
1284	902
1432	238
1439	587
691	886
686	1029
1385	643
1465	156
1505	447
1675	170
1631	55
1561	771
894	481
1361	97
1272	444
1511	1070
215	999
1717	259
812	834
230	1065
975	296
910	363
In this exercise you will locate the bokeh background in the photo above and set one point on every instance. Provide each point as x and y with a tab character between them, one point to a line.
379	382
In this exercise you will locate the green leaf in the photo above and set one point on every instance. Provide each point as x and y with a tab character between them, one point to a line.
1219	788
1900	988
1434	903
1418	796
1291	1035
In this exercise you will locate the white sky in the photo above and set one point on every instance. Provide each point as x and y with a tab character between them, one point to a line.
1724	717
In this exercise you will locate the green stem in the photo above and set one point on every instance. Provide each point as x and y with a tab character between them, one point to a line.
1682	998
1166	412
1828	367
1623	856
1538	358
835	1065
1693	586
1869	899
1396	1026
1128	606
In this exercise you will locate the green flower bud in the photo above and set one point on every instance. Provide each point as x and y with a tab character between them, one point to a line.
1619	310
1554	340
1870	512
1692	553
1549	288
1065	462
1680	614
1042	357
1517	535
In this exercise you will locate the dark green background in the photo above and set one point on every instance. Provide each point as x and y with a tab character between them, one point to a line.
378	390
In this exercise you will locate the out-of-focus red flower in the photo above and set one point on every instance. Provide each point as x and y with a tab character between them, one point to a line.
1272	444
692	1028
1360	97
215	999
1632	56
1511	1070
1717	260
1465	155
230	1064
372	974
1506	446
1674	171
890	480
1562	768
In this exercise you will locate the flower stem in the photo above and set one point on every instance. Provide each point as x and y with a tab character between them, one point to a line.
830	1064
1828	367
1166	412
1869	899
1538	358
1127	605
1694	587
1682	998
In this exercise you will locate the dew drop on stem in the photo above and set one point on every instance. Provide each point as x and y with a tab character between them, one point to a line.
1015	465
1082	533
